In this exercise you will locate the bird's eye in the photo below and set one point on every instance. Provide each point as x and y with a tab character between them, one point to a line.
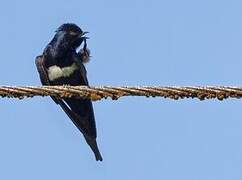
73	33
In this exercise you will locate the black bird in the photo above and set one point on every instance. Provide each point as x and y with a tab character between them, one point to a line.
60	64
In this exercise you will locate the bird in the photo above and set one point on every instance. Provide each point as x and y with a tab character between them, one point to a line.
61	64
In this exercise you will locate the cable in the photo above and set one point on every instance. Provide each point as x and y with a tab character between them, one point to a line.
98	93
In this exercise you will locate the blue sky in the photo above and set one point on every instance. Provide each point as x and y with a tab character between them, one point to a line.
145	42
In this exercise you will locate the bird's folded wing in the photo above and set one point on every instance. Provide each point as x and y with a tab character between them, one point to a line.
80	122
39	61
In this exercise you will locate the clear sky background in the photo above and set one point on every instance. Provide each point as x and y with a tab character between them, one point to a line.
133	42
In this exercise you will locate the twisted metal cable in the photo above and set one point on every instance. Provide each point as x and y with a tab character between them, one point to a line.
97	93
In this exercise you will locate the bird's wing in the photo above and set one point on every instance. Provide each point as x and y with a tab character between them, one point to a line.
80	111
39	61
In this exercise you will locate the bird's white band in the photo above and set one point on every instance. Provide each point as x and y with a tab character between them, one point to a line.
55	72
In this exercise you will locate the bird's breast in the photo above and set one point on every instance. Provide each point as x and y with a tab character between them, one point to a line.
55	72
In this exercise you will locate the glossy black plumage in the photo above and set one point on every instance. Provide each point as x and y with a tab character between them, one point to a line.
61	64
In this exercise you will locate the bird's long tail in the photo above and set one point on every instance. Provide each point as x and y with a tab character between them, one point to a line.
93	145
90	141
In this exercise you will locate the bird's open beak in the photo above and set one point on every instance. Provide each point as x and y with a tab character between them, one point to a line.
86	32
83	35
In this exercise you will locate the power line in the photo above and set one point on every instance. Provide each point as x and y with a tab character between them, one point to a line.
98	93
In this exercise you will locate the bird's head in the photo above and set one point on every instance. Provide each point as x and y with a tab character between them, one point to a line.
72	34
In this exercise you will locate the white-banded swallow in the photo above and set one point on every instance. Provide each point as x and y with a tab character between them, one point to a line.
60	64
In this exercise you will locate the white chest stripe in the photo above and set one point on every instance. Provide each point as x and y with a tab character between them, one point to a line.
55	72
